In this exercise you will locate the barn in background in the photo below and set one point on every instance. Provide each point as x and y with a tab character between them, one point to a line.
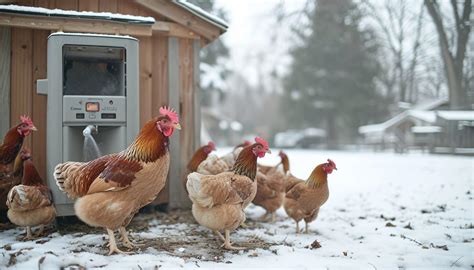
168	65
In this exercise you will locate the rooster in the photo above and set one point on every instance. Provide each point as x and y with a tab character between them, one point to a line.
304	198
30	203
271	186
13	140
219	200
112	188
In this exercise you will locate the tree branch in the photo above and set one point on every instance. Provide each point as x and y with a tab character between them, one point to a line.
463	34
456	13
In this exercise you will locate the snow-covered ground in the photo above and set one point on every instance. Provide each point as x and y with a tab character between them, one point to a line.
384	211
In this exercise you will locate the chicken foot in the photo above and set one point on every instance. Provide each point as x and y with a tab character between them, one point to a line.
40	232
125	240
227	244
265	216
112	245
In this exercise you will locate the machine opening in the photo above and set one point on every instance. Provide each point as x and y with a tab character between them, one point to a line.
93	70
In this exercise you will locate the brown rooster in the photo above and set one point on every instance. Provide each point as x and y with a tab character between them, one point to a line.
271	186
13	141
112	188
30	203
304	198
219	200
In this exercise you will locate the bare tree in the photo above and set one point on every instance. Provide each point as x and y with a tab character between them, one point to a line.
453	58
401	31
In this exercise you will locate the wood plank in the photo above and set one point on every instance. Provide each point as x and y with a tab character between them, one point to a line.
67	4
21	76
175	186
186	77
108	6
208	31
89	5
145	63
160	92
197	94
40	51
74	25
5	43
173	29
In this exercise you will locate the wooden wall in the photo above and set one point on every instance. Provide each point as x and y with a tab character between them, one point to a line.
5	42
28	63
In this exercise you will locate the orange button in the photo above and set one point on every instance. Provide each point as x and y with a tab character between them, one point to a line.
92	107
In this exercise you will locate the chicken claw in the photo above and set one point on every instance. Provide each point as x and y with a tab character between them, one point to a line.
113	246
228	245
220	235
125	241
29	235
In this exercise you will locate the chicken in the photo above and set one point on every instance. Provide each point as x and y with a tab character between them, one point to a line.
13	141
219	200
230	158
200	155
271	186
112	188
304	198
30	203
13	179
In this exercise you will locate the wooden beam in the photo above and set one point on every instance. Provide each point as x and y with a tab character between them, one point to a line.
197	94
167	9
2	2
5	43
174	30
74	25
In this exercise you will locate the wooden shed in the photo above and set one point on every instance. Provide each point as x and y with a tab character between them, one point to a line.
168	66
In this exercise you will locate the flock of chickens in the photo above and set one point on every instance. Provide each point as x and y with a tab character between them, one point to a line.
110	190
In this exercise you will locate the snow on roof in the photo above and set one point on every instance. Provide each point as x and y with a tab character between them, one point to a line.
427	116
201	13
426	129
457	115
430	104
385	125
76	14
91	34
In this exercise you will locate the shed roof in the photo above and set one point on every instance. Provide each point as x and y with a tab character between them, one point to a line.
457	115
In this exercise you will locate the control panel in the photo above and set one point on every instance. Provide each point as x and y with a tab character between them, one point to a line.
94	110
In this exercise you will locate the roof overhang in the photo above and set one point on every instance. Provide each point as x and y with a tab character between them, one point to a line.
207	26
74	21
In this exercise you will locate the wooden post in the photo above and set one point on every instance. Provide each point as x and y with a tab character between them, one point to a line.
197	95
177	195
5	43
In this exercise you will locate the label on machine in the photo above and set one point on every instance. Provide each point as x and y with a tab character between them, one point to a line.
94	109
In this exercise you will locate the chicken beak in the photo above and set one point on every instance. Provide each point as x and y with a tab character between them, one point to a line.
268	151
33	128
177	126
335	168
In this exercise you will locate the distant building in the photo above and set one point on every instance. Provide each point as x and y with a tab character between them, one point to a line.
427	126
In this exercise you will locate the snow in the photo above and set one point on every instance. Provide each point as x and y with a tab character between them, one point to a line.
92	34
202	14
81	14
426	129
430	195
457	115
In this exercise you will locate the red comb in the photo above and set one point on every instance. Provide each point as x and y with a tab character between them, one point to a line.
262	142
172	114
212	145
26	120
332	163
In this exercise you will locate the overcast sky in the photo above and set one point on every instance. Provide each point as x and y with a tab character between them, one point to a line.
251	25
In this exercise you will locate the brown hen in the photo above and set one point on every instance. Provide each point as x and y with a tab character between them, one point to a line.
304	198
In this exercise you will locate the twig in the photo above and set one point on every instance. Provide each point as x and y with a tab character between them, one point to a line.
456	261
411	239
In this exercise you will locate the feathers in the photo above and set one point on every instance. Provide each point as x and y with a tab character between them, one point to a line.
25	198
212	165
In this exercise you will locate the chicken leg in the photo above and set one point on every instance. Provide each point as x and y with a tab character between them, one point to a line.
273	217
218	233
29	234
297	227
227	244
264	217
112	245
306	229
39	233
124	238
